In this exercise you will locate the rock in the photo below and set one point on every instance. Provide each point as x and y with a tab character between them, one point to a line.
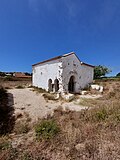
101	89
79	147
57	96
83	92
95	86
29	86
68	97
23	108
67	150
18	115
14	144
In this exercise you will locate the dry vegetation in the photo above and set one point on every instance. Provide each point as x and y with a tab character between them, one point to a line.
91	134
12	82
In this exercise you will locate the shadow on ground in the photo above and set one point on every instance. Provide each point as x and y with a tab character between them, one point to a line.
7	118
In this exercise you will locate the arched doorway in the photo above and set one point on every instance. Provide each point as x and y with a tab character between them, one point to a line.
71	84
50	88
56	82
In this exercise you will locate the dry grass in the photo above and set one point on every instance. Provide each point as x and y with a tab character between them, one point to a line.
4	143
49	96
39	90
21	127
22	124
8	84
91	134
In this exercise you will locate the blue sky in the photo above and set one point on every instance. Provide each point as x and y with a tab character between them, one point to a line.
35	30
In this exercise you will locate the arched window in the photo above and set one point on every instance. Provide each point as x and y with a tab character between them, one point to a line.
56	82
50	89
71	84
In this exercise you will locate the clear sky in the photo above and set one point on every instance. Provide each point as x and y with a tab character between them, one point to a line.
36	30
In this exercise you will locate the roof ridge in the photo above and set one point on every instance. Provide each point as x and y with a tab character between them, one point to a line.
54	58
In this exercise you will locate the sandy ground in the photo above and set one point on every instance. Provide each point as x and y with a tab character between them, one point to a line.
33	103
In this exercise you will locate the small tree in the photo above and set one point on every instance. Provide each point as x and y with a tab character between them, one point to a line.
118	75
28	74
100	71
2	74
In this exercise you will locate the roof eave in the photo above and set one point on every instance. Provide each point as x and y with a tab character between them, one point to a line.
52	59
89	65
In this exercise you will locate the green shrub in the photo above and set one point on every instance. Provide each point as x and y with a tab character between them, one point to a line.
46	129
26	156
20	87
101	115
8	78
4	143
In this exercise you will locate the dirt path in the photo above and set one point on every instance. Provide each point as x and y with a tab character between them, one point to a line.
26	100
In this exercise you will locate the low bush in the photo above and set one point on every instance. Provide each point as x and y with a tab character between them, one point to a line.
21	127
8	78
101	115
4	143
49	96
47	129
19	87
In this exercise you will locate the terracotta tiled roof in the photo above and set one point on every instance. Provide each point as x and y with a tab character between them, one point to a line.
21	75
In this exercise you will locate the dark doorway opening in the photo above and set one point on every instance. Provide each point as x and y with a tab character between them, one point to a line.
56	82
50	88
71	85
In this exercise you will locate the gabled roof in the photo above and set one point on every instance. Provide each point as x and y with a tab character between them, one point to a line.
59	57
55	58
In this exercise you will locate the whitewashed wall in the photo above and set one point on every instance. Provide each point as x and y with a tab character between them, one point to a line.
43	72
72	67
86	75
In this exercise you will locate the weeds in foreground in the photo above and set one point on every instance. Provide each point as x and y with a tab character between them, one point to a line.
4	143
91	134
21	127
46	129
